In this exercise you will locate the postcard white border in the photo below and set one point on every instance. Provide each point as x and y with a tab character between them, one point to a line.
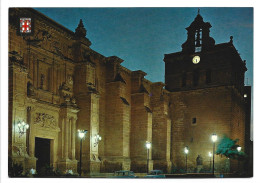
5	4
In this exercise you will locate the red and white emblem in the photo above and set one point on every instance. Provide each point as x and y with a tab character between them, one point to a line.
25	25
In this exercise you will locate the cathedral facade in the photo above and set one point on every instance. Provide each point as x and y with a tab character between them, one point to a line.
59	85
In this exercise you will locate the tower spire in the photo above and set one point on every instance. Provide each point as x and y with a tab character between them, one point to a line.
80	31
198	36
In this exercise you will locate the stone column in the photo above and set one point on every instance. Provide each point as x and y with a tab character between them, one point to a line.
117	128
161	128
62	138
66	138
73	134
30	161
141	131
29	139
69	134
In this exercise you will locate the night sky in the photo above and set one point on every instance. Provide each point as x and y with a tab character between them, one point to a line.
141	36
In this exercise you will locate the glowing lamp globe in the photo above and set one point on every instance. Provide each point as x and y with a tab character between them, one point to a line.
214	137
148	145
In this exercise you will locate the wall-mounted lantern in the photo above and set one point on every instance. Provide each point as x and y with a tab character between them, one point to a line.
22	127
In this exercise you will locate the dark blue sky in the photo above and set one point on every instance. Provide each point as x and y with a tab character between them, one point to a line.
141	36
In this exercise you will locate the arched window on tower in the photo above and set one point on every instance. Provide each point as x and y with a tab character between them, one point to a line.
198	40
196	77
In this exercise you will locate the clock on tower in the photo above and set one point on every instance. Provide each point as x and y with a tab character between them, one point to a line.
196	59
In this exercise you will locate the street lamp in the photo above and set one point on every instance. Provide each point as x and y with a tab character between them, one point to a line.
238	164
82	134
186	151
210	155
22	127
214	138
239	148
148	146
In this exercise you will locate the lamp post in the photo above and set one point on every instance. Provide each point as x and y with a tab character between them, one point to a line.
82	134
238	163
210	155
148	146
186	151
214	138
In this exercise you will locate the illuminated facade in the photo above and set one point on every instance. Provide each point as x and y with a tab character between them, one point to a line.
58	84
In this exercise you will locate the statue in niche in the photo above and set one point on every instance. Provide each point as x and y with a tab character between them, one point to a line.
94	157
64	86
73	101
199	160
67	98
70	79
30	89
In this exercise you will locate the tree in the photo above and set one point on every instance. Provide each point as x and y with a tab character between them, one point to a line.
228	148
15	169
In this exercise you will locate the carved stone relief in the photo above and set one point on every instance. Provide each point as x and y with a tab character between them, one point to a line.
18	150
65	87
40	39
15	57
66	93
43	35
70	79
45	120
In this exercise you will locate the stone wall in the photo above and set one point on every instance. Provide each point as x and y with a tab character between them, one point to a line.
197	114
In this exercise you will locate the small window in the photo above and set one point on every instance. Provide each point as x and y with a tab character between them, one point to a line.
124	101
148	109
194	121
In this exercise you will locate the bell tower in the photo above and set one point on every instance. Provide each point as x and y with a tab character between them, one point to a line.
202	63
206	84
198	36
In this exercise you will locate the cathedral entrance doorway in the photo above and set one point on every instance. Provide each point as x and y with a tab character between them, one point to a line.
42	153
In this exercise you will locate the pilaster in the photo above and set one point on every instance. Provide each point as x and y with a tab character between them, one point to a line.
161	128
117	129
17	108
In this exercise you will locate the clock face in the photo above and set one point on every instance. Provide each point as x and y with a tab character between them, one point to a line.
196	59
